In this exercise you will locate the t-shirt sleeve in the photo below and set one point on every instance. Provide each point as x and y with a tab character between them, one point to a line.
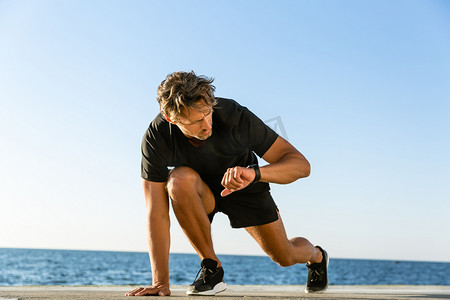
253	131
154	161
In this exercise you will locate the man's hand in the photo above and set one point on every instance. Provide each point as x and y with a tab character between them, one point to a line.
156	290
236	179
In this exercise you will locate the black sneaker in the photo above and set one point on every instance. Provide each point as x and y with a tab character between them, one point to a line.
318	275
210	281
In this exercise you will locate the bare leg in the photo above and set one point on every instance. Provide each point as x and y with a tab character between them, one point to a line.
192	201
285	252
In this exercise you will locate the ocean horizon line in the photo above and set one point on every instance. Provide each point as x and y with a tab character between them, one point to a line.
222	254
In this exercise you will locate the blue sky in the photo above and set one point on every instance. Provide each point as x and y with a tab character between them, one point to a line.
362	89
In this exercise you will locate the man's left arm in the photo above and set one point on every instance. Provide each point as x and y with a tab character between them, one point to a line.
286	164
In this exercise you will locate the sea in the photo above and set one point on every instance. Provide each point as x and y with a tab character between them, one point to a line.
20	267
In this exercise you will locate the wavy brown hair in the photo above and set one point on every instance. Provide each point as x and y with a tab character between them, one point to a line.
183	90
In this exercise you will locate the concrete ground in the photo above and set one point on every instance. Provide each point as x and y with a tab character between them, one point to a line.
240	292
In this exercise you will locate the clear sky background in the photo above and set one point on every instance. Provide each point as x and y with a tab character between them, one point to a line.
362	89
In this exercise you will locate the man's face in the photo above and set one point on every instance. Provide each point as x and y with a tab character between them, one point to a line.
196	122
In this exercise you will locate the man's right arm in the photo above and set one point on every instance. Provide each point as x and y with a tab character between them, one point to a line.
158	234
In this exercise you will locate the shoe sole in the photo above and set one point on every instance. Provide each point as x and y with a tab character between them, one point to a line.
220	287
325	288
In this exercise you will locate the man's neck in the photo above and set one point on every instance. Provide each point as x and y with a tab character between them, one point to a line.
196	142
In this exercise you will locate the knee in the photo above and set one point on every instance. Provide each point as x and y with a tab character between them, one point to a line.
181	180
283	259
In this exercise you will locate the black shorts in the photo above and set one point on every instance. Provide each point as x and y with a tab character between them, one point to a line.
246	208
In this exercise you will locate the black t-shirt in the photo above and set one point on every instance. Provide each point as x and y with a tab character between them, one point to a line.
236	135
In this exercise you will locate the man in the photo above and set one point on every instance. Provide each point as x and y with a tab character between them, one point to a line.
211	143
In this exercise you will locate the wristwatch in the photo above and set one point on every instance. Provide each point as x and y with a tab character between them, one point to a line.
257	172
